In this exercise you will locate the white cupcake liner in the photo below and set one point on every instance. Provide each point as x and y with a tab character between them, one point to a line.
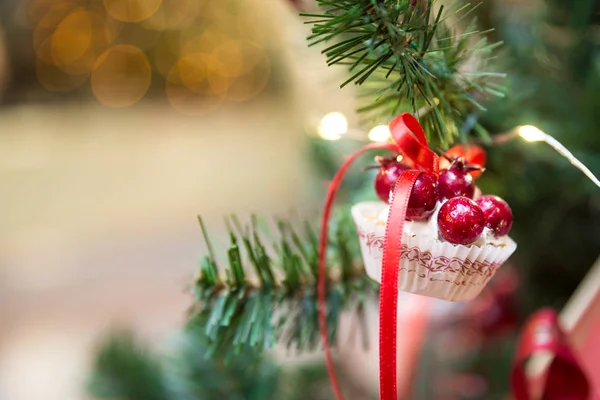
429	266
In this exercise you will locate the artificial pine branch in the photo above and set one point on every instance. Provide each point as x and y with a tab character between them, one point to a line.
126	369
407	58
269	296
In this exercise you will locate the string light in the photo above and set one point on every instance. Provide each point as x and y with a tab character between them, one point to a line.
380	133
532	134
333	126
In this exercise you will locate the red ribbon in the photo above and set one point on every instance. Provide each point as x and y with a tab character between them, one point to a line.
410	141
564	378
322	311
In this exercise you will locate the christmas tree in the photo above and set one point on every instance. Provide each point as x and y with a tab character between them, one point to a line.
439	62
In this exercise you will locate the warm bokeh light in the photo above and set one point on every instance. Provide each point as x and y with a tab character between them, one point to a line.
202	48
234	58
172	14
218	10
187	101
99	43
333	126
121	76
112	28
45	28
166	52
227	58
251	84
72	37
205	42
380	133
234	69
56	80
192	72
131	10
138	36
224	65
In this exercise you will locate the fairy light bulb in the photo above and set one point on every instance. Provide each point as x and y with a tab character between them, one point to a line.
533	134
333	126
380	133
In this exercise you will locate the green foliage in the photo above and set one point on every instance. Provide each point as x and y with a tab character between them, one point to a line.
408	58
124	369
269	296
248	376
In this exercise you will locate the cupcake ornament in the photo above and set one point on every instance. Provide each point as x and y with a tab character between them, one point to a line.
433	233
451	242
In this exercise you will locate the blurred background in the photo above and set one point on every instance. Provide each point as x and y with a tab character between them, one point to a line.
120	121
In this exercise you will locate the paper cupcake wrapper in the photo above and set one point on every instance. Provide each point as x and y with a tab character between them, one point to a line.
429	266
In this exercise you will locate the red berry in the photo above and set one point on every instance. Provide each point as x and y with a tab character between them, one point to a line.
471	154
497	212
388	173
456	181
460	220
423	197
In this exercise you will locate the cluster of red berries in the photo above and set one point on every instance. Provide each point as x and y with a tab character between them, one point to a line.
461	219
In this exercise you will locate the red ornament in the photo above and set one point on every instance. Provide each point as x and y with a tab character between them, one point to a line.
498	215
471	154
423	197
460	220
456	181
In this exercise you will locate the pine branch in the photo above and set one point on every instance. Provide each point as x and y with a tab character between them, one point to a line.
269	297
126	369
407	58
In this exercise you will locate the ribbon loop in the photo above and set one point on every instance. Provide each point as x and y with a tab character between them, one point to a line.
564	378
409	140
412	143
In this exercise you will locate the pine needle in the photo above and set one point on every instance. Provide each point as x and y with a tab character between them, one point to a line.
280	305
404	58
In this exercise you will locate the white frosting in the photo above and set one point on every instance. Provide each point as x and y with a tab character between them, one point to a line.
429	228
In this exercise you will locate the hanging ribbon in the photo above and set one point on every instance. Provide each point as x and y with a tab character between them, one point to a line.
564	378
410	141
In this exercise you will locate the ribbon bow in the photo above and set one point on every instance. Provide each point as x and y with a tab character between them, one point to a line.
410	141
